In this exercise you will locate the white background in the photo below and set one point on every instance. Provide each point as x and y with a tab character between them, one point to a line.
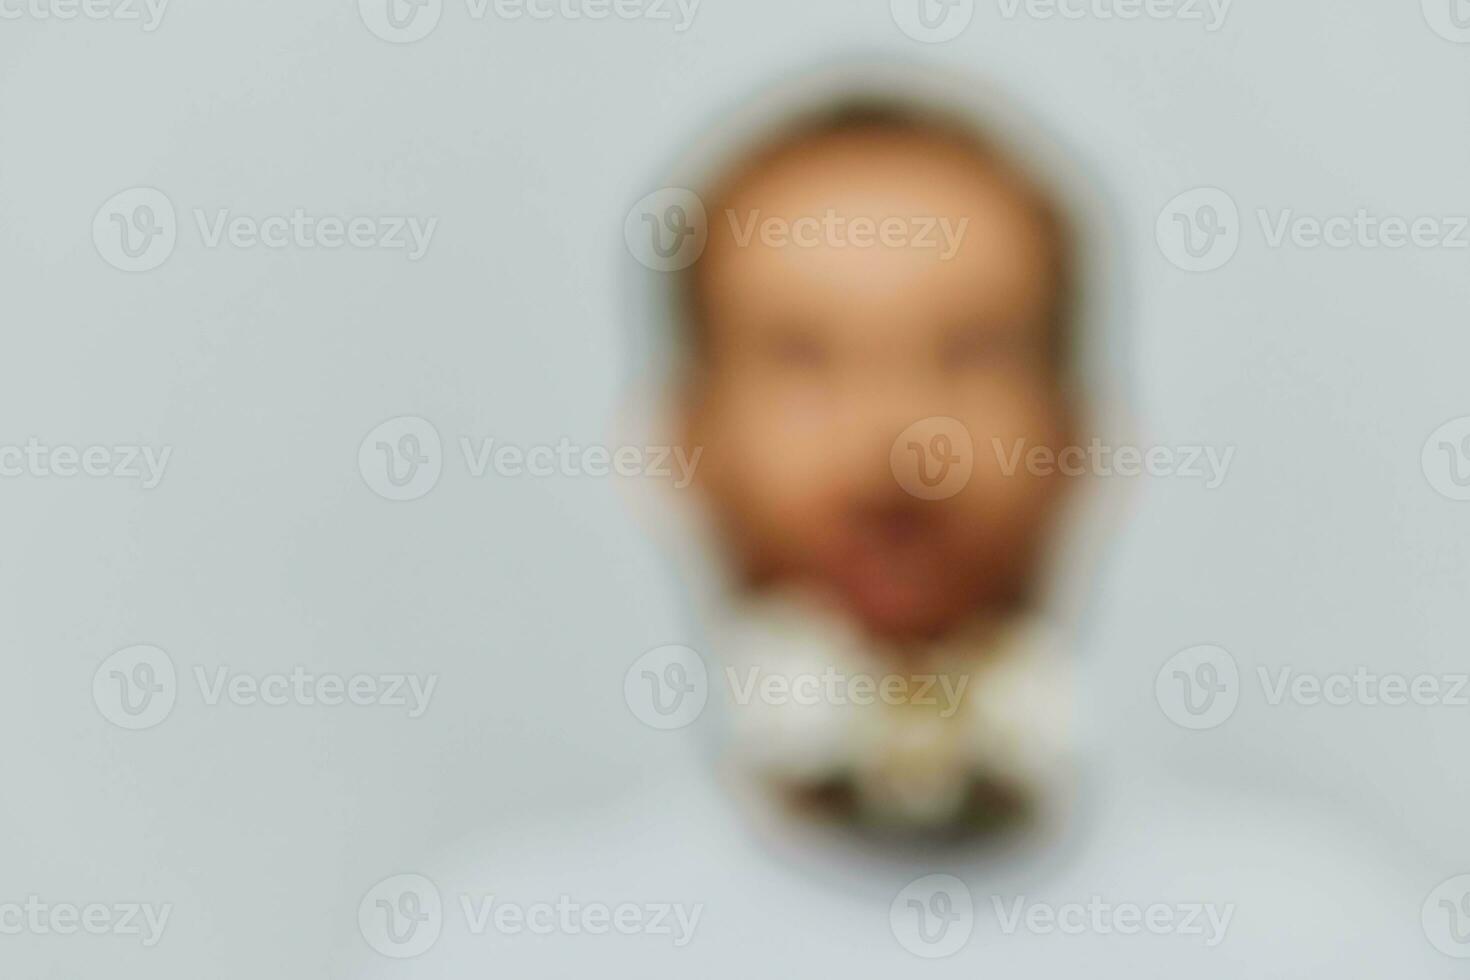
263	548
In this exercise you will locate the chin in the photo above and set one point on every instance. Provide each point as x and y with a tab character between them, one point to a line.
899	617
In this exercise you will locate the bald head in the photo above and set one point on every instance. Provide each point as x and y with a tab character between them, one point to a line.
864	277
877	200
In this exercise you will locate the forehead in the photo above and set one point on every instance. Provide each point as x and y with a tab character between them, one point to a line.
891	222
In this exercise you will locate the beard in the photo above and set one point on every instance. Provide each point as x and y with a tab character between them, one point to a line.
972	731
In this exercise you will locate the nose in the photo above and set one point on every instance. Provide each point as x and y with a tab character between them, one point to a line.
879	407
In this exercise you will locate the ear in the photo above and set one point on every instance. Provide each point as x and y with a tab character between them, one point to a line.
1069	435
687	422
667	420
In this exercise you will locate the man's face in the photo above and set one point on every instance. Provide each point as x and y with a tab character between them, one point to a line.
824	341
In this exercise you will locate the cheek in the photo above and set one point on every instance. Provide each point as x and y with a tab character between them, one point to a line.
1011	423
770	458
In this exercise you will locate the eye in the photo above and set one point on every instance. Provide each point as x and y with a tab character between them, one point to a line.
980	345
796	348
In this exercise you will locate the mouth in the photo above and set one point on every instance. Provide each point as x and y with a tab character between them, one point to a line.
892	572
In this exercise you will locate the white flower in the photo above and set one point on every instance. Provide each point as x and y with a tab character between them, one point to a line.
814	705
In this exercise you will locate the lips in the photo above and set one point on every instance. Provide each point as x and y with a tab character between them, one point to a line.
892	571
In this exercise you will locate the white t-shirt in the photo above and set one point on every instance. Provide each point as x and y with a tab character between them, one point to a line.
1157	880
